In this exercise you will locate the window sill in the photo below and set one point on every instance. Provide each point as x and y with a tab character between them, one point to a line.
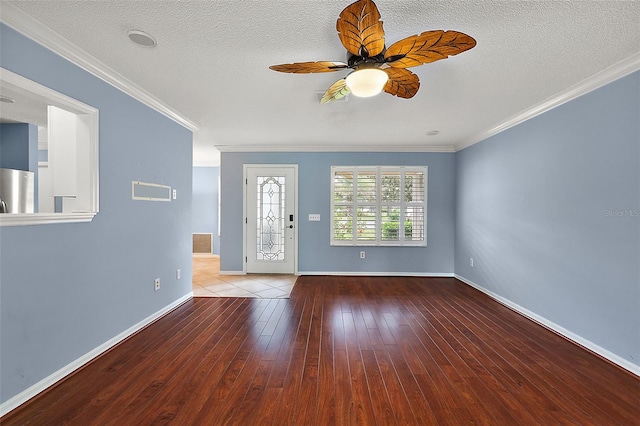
374	244
22	219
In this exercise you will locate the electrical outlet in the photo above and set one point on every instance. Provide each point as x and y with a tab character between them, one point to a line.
362	255
178	274
471	262
156	284
174	194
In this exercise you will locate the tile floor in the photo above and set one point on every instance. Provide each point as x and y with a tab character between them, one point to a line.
207	282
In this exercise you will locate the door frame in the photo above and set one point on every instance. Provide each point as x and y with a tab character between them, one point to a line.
245	168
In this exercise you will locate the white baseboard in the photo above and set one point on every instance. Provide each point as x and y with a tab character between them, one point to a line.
623	363
378	274
233	273
52	379
360	273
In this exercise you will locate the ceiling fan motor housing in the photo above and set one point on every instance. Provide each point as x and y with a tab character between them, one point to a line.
357	61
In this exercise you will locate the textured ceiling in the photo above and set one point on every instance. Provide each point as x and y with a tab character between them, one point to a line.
25	108
212	58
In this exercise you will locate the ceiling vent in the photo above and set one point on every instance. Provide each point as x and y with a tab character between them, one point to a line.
141	38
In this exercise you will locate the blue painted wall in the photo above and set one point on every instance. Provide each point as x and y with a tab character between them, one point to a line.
314	191
550	212
19	150
15	146
65	289
205	203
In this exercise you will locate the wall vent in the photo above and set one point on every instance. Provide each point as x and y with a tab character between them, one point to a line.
150	191
203	243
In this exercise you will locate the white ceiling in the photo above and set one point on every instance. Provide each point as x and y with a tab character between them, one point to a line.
25	108
212	58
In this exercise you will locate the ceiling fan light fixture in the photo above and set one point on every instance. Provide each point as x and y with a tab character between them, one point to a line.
367	82
376	67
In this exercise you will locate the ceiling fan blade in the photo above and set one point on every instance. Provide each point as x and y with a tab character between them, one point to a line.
338	90
360	29
427	47
402	83
310	67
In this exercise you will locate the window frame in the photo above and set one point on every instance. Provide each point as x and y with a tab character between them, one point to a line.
378	205
91	118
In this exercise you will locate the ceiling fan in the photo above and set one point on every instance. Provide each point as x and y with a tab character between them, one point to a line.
376	67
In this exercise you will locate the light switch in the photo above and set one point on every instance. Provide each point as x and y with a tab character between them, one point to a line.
314	217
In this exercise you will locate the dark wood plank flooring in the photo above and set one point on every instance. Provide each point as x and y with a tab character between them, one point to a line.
343	350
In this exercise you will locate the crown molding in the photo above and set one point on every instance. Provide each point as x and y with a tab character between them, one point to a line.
330	148
608	75
25	24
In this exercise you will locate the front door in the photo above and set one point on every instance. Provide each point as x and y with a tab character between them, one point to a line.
270	200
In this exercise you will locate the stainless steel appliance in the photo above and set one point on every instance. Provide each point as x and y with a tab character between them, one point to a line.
16	191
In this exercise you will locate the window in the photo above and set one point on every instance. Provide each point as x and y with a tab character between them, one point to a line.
65	185
373	205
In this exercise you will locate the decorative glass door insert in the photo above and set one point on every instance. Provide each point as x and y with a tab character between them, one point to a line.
270	216
270	204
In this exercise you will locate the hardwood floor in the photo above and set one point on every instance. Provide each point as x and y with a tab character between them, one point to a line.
344	350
